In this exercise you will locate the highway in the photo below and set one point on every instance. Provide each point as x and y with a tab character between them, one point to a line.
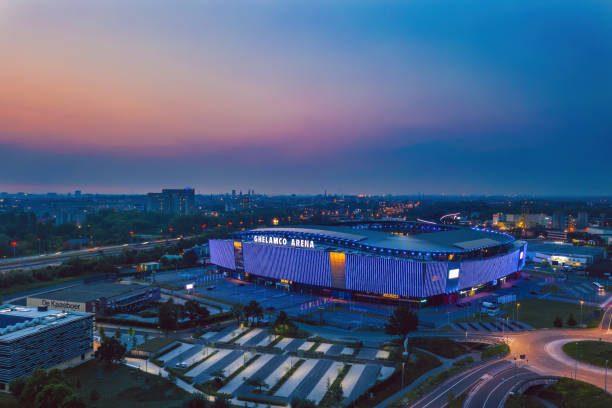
490	382
438	398
42	261
490	391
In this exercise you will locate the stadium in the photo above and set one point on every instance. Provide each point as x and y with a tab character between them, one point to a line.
382	261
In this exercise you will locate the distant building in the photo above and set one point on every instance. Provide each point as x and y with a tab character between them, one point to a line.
557	236
148	267
172	201
563	254
582	221
33	338
99	297
558	220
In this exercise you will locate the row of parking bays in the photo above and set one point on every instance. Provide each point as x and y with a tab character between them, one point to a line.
310	380
498	326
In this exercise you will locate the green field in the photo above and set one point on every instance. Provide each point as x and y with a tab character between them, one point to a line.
568	393
117	387
541	313
591	351
123	387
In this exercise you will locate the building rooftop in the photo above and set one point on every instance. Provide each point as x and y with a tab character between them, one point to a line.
455	240
562	249
21	321
92	292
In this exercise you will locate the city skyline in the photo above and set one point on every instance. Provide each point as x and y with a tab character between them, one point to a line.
363	97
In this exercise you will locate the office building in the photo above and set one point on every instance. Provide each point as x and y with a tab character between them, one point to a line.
32	338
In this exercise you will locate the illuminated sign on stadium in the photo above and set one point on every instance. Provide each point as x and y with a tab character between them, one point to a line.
298	243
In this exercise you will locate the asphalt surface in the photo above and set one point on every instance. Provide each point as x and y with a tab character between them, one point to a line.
438	398
44	260
490	391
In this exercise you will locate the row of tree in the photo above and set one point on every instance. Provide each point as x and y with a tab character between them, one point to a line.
170	314
45	389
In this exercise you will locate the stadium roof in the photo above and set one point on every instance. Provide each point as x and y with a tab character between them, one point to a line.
459	239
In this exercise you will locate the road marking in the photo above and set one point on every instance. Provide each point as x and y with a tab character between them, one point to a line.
486	365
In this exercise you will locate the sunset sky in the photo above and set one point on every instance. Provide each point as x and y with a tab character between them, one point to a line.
377	96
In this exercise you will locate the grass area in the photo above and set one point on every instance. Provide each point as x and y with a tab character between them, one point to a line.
495	350
568	393
386	388
157	343
550	288
38	285
541	313
327	400
8	401
523	401
590	351
441	346
124	387
433	382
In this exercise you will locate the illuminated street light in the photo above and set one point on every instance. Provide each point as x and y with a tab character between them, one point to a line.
581	303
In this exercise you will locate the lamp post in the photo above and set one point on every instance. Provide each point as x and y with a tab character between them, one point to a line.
404	357
576	363
581	303
606	378
517	311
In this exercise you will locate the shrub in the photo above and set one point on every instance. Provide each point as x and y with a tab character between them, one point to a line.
558	322
571	321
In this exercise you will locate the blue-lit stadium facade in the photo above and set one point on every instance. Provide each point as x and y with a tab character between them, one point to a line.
381	261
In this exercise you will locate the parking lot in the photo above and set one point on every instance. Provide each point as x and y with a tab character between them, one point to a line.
268	298
243	354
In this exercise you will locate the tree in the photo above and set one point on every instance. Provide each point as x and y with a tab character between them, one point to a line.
558	322
197	400
257	382
302	403
169	315
102	333
118	333
190	258
237	312
52	395
254	310
218	377
94	395
110	351
196	312
401	322
571	321
37	382
72	401
17	385
336	394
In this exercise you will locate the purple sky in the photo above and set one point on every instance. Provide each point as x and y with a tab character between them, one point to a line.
301	96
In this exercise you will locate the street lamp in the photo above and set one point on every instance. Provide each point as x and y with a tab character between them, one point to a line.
576	362
581	303
606	378
517	311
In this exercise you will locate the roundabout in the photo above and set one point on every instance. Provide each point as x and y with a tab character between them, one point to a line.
543	352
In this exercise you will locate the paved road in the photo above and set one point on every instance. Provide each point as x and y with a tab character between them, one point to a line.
544	356
42	261
490	391
459	384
